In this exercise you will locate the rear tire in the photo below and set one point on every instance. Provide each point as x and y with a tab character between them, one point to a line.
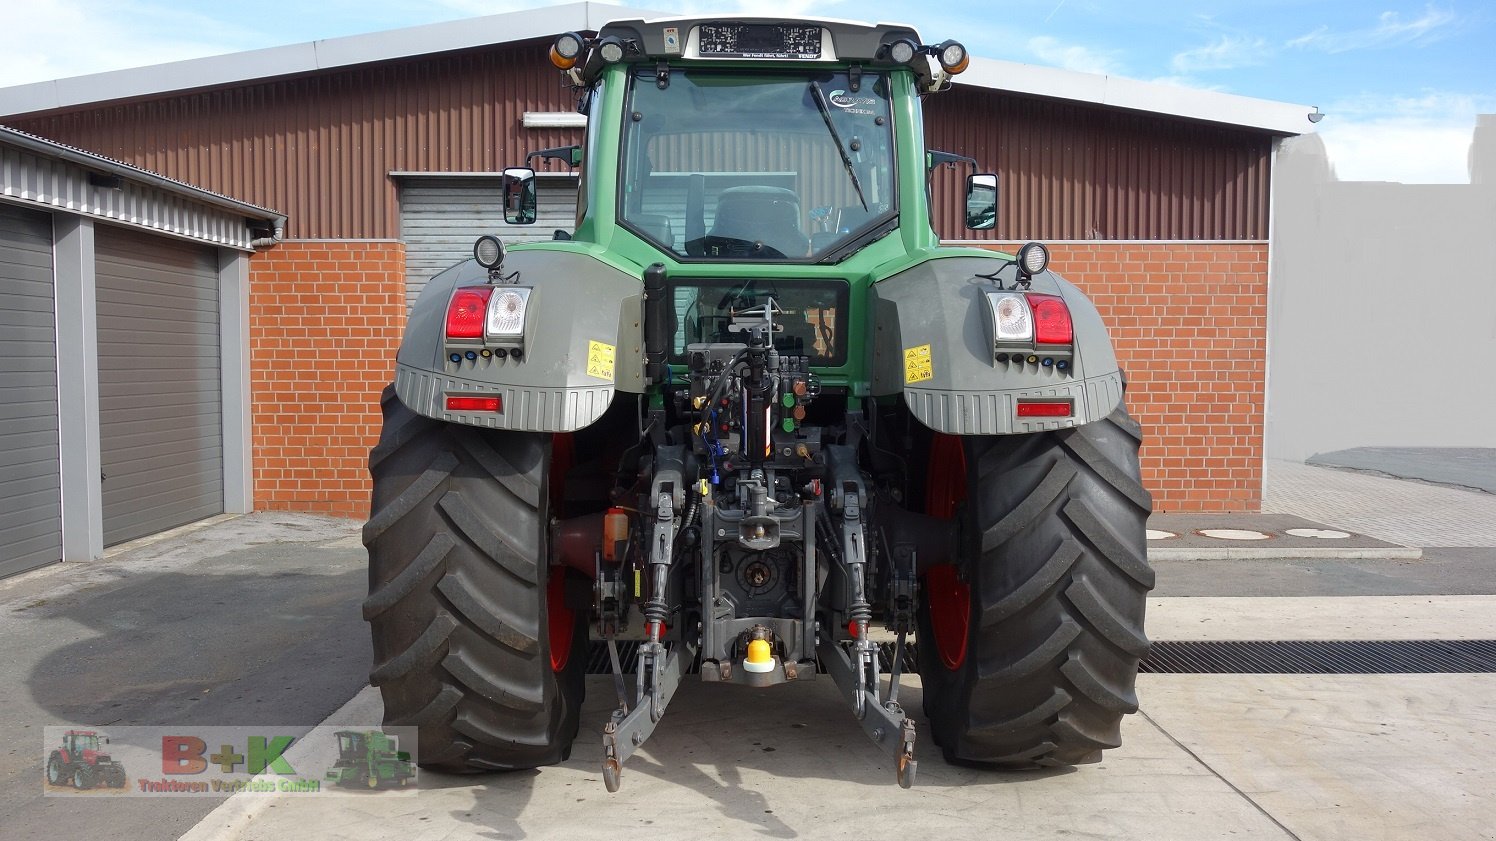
458	539
1052	586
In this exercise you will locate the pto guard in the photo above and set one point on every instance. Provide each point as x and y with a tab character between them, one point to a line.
583	341
932	344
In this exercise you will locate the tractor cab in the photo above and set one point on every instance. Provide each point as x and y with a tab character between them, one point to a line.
77	741
351	745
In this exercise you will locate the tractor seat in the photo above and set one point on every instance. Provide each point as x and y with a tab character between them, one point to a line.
770	215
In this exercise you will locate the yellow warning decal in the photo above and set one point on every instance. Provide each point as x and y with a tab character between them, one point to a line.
600	360
917	366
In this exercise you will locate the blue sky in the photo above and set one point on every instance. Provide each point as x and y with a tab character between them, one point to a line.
1400	80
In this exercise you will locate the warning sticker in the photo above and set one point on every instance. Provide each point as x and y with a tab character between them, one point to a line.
600	360
917	367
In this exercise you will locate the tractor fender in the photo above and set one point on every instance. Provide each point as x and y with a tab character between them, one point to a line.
931	343
583	341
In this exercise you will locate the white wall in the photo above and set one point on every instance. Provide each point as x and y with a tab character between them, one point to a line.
1382	307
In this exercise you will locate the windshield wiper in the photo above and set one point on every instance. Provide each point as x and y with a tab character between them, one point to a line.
820	97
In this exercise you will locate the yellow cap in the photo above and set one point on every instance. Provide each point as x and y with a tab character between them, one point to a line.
758	652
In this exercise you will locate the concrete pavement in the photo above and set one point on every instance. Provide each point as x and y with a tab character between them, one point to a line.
1210	757
255	620
236	621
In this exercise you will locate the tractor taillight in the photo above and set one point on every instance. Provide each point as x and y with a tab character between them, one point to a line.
466	312
1051	319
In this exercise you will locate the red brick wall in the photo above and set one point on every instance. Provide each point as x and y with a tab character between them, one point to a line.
1189	322
324	320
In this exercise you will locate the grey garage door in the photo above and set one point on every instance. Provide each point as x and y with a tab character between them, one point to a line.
30	485
440	218
160	408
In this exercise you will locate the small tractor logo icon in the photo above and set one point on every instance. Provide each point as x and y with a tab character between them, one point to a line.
371	759
81	763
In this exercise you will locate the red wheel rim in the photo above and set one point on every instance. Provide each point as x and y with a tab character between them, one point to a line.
561	619
945	481
950	609
949	597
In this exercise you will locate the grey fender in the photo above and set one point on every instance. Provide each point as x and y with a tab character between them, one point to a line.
583	343
934	311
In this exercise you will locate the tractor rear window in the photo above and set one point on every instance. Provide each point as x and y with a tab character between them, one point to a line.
811	320
733	166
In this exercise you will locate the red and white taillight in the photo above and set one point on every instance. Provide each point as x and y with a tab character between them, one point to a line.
466	312
492	315
1052	324
1019	320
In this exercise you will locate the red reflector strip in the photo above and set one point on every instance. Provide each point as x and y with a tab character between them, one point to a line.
1046	409
475	404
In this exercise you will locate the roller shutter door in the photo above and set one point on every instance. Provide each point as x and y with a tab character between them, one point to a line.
160	408
30	476
440	218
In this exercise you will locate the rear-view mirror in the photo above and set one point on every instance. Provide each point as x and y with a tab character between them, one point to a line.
981	201
519	195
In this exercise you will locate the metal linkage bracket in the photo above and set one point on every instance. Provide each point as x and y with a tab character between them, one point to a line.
628	729
884	722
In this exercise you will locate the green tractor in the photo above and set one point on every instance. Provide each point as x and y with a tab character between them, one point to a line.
369	759
748	411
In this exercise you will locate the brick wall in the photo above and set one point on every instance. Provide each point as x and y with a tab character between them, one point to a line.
325	322
1189	322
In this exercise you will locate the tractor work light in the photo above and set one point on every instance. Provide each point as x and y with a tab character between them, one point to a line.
465	312
1033	258
506	314
902	51
489	252
610	50
953	57
566	50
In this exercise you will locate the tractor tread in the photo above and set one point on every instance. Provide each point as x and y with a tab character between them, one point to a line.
480	612
489	537
1104	618
425	647
1059	578
409	578
457	595
440	469
1064	557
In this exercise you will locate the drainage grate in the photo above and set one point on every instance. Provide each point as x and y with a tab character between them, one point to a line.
1322	657
1252	657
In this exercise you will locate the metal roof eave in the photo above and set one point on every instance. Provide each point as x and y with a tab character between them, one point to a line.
88	160
239	68
235	68
1280	118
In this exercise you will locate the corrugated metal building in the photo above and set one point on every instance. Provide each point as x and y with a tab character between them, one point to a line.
383	152
123	316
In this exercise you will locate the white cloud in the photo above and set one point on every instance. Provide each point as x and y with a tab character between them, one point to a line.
1225	53
1075	57
1422	139
1390	30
